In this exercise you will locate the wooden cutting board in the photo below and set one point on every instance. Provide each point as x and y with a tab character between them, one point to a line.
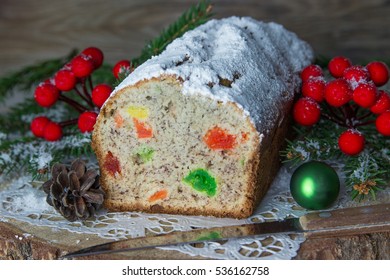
20	240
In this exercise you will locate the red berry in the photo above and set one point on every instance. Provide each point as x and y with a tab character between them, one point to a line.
382	104
355	75
337	66
53	132
38	125
86	121
351	142
48	81
314	88
100	93
379	72
82	66
65	80
311	71
121	67
306	111
46	94
338	92
365	95
382	123
96	55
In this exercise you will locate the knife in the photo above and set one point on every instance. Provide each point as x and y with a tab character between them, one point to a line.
340	222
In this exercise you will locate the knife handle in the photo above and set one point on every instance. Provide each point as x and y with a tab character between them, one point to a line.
348	221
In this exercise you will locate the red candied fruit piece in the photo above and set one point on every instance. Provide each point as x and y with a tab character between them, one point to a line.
219	139
143	129
112	164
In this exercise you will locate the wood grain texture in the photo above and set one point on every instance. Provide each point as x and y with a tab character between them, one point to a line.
32	31
348	221
16	245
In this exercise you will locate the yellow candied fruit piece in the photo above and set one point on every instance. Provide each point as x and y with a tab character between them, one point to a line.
138	112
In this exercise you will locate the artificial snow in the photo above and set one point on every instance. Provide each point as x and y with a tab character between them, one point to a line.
261	60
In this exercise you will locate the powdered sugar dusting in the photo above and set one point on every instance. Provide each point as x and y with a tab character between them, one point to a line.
251	63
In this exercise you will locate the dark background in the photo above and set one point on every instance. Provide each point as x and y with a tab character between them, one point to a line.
32	31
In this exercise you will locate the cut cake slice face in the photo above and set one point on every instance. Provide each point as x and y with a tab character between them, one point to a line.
197	129
162	151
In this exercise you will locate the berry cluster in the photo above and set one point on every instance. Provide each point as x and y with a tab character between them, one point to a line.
75	78
352	99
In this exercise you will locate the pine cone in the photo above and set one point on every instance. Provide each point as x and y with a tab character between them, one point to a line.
75	192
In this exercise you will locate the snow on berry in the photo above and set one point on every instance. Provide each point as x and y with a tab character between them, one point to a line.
351	142
306	111
52	132
382	123
379	72
355	75
314	88
86	121
82	66
46	94
38	125
337	66
338	92
365	95
121	66
311	71
100	93
96	55
382	104
65	80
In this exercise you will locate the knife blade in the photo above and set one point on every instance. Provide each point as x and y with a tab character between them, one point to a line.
356	220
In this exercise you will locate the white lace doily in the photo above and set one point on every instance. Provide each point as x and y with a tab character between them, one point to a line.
22	201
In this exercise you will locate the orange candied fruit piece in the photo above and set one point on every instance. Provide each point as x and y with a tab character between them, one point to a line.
219	139
143	129
158	195
118	120
244	136
112	164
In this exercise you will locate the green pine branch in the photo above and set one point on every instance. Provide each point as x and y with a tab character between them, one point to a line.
366	173
36	156
193	17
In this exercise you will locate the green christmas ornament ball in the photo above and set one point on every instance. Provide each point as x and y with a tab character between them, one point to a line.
315	185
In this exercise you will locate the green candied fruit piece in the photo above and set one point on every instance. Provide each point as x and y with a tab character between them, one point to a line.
211	236
202	181
145	154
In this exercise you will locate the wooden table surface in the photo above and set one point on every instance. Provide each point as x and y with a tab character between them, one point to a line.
32	31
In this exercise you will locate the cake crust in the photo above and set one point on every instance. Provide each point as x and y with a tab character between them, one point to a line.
233	79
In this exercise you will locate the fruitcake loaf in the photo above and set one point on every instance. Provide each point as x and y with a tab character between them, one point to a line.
197	129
